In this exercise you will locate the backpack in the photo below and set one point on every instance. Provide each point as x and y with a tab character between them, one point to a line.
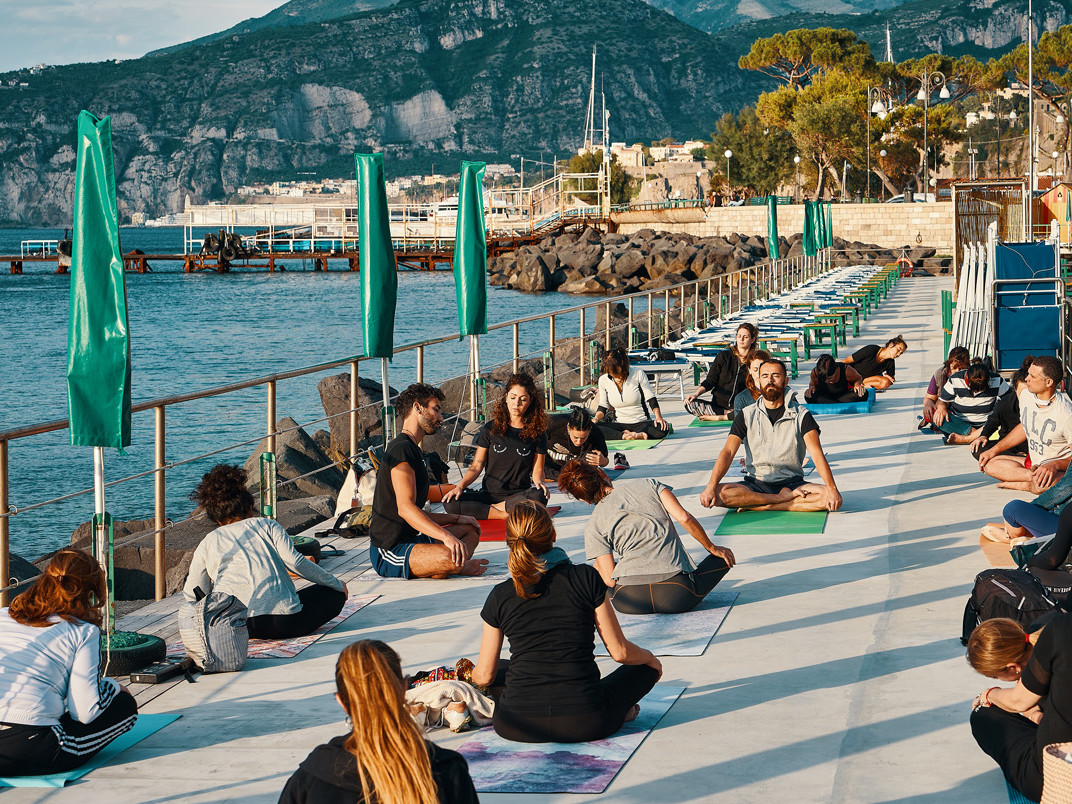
214	632
660	354
352	523
1012	593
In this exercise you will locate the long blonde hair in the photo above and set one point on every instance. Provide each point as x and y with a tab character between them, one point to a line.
997	643
392	757
529	534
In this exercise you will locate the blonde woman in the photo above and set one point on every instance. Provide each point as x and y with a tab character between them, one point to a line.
550	611
384	759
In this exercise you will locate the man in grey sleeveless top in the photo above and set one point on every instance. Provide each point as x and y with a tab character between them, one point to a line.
776	438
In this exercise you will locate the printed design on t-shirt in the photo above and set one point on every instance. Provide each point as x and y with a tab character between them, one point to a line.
499	448
524	453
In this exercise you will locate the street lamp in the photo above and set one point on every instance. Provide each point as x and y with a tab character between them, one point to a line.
728	154
929	81
699	185
796	189
882	156
1055	155
879	108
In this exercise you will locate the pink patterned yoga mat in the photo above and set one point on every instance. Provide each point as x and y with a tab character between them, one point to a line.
288	648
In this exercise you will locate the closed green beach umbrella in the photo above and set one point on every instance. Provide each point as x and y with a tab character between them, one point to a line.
379	274
828	224
471	252
809	235
98	338
772	228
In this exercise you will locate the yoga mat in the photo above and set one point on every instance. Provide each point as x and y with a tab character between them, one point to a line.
863	406
288	648
501	766
146	726
494	530
686	634
997	554
639	443
700	423
1015	796
753	523
494	573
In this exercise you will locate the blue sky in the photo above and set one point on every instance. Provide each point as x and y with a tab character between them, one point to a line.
68	31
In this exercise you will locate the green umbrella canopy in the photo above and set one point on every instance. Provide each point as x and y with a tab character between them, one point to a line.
471	252
379	274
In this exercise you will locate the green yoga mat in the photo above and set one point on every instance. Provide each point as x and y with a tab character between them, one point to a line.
146	726
699	423
640	443
757	523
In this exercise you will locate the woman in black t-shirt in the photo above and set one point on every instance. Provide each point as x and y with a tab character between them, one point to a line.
1014	724
550	612
834	383
725	379
510	451
875	363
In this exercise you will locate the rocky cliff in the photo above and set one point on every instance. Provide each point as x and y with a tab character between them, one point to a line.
436	80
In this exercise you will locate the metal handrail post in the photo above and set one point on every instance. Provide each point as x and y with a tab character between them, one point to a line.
650	312
666	315
159	509
696	304
420	364
551	349
355	389
5	528
515	361
629	324
580	347
271	416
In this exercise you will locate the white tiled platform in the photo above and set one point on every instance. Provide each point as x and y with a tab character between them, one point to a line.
838	676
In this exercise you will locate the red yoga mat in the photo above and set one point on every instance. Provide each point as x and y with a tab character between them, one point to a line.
494	530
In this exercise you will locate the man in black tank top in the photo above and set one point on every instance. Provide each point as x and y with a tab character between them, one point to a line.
407	541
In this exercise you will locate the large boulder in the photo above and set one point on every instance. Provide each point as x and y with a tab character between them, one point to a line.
628	264
300	461
534	271
335	397
592	284
582	257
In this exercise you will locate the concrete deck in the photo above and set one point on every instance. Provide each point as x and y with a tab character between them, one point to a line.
838	676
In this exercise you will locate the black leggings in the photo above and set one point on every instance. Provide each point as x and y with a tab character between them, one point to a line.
619	691
612	431
677	594
319	604
1009	739
37	750
477	504
822	398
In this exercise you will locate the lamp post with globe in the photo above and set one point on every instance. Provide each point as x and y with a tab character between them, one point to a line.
796	187
929	81
728	154
882	156
878	108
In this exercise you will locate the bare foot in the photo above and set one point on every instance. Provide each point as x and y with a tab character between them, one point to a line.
474	566
1015	485
633	713
629	435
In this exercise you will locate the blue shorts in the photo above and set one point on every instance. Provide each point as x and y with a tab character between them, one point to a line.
394	563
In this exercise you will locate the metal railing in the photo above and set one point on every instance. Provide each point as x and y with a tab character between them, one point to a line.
698	301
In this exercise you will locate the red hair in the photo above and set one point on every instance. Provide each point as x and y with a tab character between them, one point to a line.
582	481
72	587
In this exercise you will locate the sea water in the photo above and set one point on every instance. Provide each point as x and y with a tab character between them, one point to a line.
190	332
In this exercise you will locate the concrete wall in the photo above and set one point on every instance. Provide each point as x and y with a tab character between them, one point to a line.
886	225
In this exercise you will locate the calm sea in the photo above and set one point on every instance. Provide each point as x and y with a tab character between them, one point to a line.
195	331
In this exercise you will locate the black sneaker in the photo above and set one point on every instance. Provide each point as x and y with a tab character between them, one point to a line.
619	461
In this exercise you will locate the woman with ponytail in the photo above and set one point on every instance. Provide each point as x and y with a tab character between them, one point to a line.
384	759
834	383
1007	722
550	611
57	709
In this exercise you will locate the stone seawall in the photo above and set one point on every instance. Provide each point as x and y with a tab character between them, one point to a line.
886	225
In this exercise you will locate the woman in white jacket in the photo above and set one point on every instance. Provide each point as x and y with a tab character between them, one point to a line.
57	709
628	393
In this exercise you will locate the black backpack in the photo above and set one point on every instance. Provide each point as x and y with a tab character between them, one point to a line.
1012	593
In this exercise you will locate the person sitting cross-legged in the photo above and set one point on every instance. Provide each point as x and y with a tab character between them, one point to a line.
407	541
834	383
1046	426
776	438
876	363
572	436
966	401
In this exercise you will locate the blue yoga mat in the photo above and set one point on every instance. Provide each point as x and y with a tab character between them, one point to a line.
146	726
863	406
1016	797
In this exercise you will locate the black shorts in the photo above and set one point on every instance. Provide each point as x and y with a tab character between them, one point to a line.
760	487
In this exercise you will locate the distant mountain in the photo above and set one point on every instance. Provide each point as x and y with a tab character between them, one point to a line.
714	15
424	81
982	28
296	12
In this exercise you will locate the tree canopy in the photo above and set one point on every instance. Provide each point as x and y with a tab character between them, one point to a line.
797	57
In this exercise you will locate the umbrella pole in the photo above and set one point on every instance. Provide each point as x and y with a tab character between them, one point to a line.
388	413
102	547
478	407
